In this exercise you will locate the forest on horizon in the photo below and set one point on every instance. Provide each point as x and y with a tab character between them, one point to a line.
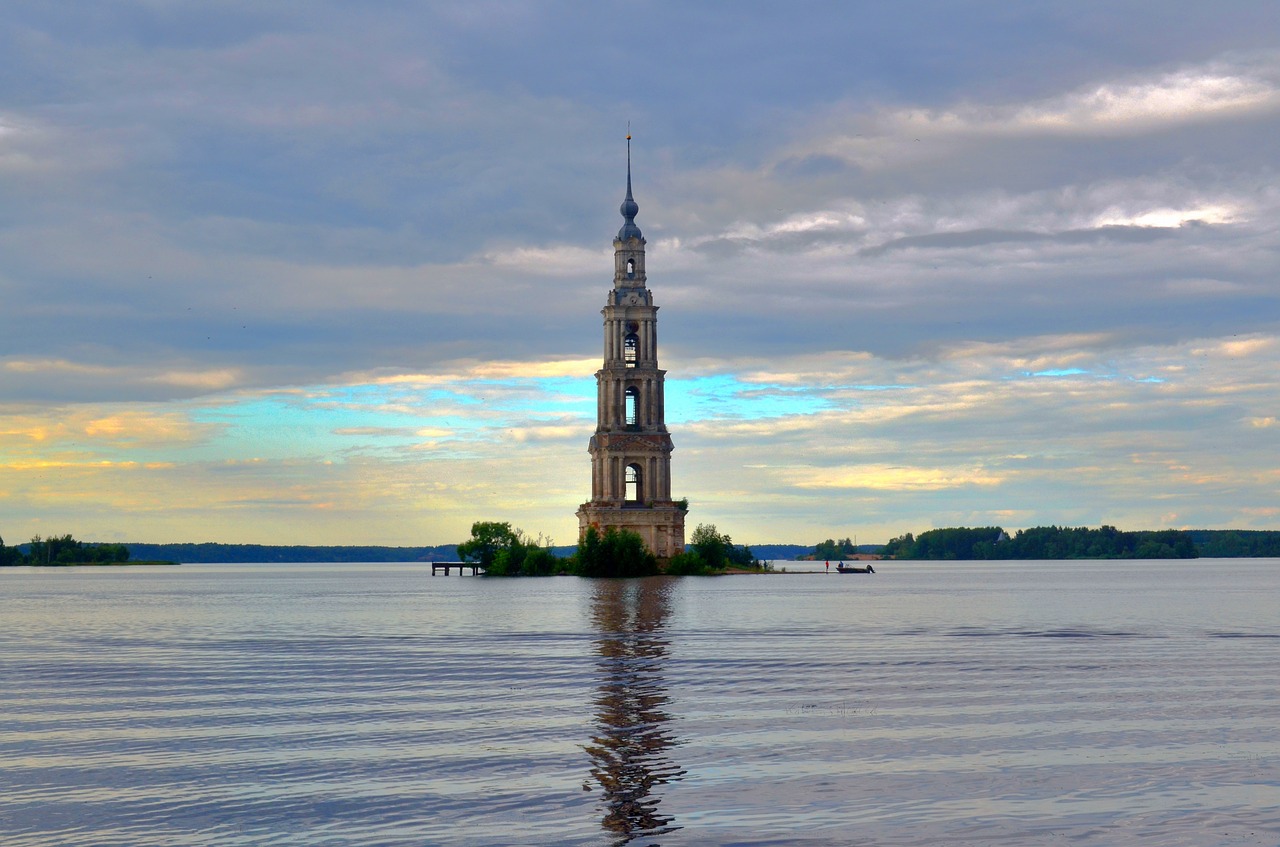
956	543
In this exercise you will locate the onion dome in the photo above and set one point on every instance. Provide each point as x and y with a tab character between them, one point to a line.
629	208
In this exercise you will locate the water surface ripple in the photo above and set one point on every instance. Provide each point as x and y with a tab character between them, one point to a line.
969	704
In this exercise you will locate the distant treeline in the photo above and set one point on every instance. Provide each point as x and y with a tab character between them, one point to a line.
956	543
1237	543
780	552
845	548
1043	542
62	550
211	553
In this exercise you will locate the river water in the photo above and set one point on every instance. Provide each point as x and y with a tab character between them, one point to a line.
1012	703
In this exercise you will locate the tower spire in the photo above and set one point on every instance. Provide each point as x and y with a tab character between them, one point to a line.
629	208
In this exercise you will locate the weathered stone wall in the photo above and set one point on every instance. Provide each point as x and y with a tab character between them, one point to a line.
661	526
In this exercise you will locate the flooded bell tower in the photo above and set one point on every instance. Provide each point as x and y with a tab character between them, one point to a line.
631	449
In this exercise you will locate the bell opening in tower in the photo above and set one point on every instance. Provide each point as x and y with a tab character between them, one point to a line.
635	493
633	403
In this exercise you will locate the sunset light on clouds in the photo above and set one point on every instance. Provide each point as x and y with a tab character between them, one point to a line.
333	275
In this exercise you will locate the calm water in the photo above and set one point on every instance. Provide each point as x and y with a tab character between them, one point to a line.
965	704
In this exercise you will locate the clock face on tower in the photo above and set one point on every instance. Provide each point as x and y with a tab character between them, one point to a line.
633	299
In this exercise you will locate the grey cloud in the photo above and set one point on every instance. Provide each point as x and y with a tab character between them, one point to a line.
790	243
814	165
981	237
342	144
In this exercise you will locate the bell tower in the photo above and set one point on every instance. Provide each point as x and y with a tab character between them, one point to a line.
631	449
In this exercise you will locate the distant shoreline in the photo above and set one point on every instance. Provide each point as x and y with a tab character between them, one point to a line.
1208	544
775	572
146	562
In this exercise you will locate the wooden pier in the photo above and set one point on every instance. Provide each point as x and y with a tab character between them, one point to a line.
476	567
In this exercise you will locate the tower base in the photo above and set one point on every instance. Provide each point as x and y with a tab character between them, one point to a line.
660	525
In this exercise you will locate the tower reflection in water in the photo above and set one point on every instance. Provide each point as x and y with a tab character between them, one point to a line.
631	739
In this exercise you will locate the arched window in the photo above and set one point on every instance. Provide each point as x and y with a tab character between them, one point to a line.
633	406
635	492
631	268
629	345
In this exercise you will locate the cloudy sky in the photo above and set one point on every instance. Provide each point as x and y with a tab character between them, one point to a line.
329	272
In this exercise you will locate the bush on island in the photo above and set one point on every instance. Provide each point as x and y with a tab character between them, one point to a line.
504	551
615	553
710	546
689	563
64	550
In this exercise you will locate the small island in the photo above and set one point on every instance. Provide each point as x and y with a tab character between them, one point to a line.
502	550
65	552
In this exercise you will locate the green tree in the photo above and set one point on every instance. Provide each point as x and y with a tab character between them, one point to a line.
900	547
505	551
55	550
614	553
740	555
508	561
9	555
487	539
710	551
539	561
832	549
710	546
687	563
111	552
